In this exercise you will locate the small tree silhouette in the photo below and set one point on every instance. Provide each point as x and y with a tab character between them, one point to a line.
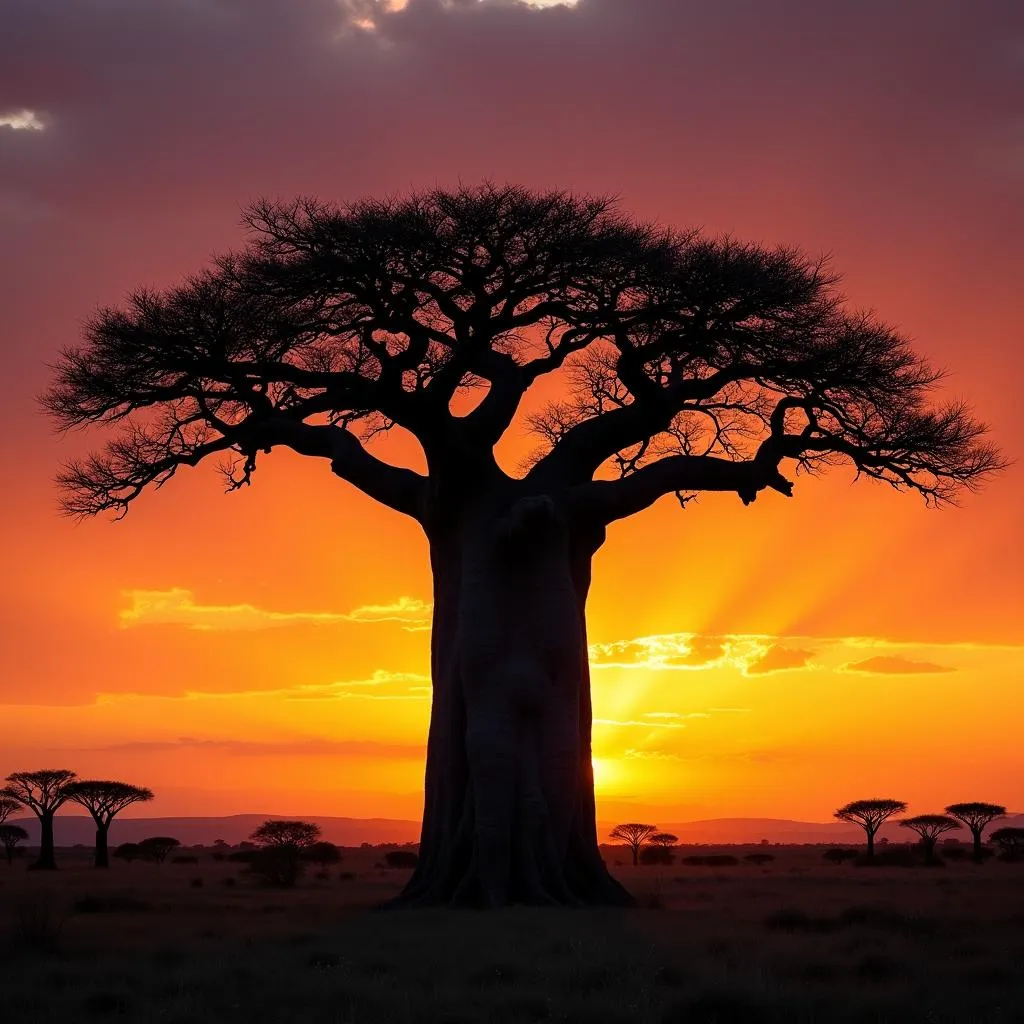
929	827
870	814
634	834
43	792
104	800
8	805
10	836
1011	840
128	852
282	844
976	815
665	839
156	848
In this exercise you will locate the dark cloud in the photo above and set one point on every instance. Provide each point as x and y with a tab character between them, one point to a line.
894	665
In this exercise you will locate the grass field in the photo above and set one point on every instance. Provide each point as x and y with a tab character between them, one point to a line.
796	940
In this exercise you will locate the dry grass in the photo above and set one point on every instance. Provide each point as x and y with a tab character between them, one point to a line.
796	940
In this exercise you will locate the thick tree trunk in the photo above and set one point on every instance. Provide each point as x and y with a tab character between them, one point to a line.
509	811
102	853
976	834
871	845
46	860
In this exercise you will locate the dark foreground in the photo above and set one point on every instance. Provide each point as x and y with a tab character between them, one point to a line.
796	940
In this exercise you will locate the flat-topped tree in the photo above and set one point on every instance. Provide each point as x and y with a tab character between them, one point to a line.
10	836
689	364
634	834
929	827
8	805
977	816
870	815
104	800
43	792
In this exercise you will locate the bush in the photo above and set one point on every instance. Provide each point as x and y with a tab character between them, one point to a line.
656	855
401	859
128	852
156	848
892	857
185	858
279	866
759	858
242	856
322	853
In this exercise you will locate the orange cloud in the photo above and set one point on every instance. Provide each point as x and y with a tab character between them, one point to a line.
894	665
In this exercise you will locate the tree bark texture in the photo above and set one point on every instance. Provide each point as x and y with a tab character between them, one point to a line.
509	814
46	860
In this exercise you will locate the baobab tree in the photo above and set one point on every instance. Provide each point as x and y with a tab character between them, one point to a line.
104	800
10	836
8	805
929	827
634	835
687	364
976	816
43	792
870	815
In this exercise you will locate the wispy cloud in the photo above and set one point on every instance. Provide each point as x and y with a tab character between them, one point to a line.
620	723
894	665
178	607
22	121
779	659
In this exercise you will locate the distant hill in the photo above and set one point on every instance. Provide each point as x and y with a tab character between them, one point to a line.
72	829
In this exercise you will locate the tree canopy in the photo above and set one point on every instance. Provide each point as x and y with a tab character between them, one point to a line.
8	805
104	799
688	363
297	834
43	791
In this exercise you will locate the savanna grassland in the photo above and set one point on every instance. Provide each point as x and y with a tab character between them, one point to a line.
794	940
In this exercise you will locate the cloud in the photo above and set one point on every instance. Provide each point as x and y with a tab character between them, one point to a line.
178	607
22	121
294	747
650	755
894	665
779	659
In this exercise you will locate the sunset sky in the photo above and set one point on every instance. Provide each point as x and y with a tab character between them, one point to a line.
268	650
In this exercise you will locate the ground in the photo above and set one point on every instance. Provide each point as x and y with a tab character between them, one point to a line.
796	940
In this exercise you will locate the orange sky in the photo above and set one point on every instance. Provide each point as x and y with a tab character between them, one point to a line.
267	651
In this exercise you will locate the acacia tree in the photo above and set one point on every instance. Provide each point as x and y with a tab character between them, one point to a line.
43	792
8	805
870	815
156	848
687	364
104	800
634	835
10	836
282	844
976	816
929	827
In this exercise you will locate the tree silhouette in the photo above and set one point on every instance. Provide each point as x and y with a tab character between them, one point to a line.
322	853
104	800
282	845
929	827
870	814
689	364
10	836
156	848
1011	840
976	816
665	839
634	835
43	792
8	805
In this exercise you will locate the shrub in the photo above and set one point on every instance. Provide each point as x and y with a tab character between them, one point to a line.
242	856
401	859
759	858
185	858
128	852
322	853
156	848
893	857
